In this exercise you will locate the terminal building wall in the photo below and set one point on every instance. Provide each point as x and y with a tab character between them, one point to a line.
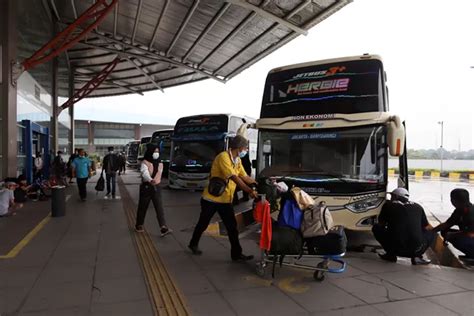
96	136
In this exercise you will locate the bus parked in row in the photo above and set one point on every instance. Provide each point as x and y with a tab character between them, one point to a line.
131	153
196	141
142	147
324	126
162	138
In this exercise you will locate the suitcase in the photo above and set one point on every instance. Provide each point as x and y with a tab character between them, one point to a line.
333	243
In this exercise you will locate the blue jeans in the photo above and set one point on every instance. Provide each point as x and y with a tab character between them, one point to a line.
110	177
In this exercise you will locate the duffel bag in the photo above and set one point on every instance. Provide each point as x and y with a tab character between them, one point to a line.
290	215
333	243
286	241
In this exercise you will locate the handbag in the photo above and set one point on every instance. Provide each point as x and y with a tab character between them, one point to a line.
216	186
100	186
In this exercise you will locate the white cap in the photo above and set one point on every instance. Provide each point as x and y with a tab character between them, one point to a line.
401	192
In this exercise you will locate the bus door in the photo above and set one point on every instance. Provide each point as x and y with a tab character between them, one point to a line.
403	165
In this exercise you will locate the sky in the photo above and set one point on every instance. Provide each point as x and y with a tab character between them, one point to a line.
428	52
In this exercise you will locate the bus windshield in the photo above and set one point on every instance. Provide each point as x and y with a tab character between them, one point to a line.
188	156
133	149
350	155
165	147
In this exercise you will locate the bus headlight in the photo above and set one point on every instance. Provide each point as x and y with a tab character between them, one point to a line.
365	205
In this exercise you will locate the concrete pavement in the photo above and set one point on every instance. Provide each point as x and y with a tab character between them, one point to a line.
87	263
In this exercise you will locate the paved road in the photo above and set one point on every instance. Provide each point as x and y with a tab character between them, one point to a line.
434	194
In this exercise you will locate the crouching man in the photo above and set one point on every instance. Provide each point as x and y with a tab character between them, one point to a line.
403	229
463	217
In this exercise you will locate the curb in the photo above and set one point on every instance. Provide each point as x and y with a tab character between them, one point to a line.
244	218
436	175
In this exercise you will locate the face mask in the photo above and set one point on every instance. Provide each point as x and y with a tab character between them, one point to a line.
156	155
242	154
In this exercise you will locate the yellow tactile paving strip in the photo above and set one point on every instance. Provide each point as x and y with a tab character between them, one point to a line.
165	296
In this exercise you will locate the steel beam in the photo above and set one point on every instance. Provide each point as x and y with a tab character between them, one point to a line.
145	54
268	31
152	73
229	37
269	16
137	19
152	41
164	80
116	9
183	25
211	24
70	35
145	73
89	87
74	9
334	7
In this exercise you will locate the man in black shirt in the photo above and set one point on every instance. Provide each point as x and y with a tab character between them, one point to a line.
403	229
110	165
463	217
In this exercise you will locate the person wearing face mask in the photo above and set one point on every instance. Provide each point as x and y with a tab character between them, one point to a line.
226	165
151	170
81	169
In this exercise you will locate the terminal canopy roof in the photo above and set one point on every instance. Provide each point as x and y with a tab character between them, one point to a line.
166	43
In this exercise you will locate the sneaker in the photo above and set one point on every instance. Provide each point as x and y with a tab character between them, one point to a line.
165	231
242	257
419	261
195	250
139	228
388	257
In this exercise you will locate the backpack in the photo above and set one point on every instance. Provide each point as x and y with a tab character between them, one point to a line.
100	186
317	221
290	215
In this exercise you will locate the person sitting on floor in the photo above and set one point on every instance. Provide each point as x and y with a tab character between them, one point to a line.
463	217
23	189
403	229
7	199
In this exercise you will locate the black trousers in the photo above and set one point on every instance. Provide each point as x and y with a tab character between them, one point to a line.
110	178
226	213
149	193
461	242
82	186
388	242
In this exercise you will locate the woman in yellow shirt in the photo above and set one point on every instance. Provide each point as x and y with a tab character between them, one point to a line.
227	166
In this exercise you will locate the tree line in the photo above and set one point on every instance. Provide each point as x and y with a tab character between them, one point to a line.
436	154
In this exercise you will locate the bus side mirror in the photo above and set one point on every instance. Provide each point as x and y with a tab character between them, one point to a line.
254	163
396	136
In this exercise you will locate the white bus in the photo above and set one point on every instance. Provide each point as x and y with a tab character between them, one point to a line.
324	126
196	141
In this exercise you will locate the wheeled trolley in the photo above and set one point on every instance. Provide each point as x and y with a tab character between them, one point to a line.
297	261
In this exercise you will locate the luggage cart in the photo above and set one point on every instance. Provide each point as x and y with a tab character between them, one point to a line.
295	261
